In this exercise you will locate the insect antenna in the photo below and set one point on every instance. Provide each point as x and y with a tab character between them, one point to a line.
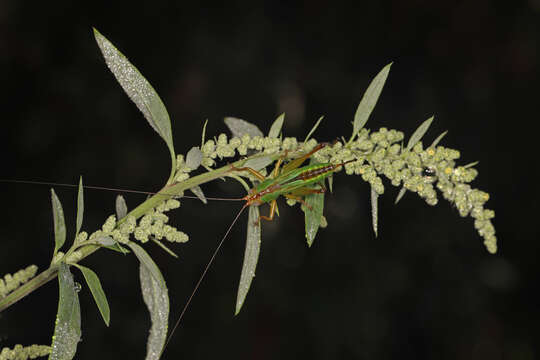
203	275
109	189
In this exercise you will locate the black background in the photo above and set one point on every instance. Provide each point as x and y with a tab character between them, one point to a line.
424	289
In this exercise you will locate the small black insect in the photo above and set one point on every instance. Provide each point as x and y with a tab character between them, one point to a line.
429	171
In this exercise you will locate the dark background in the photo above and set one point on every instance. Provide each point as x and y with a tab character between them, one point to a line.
424	289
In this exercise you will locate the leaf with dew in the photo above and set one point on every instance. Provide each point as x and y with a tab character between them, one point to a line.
239	127
92	280
276	126
374	211
419	133
59	222
313	129
194	158
199	193
369	100
121	207
251	256
80	207
156	298
438	139
147	261
111	244
67	331
139	91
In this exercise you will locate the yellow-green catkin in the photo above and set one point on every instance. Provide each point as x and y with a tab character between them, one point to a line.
154	224
20	352
381	153
11	282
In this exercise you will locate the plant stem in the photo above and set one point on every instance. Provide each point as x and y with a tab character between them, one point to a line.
164	194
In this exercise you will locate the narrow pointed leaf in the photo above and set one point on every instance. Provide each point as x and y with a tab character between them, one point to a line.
138	89
419	133
59	222
251	256
147	261
402	192
313	129
67	331
156	298
111	244
194	158
313	212
276	126
199	193
161	245
203	133
438	139
92	280
330	182
471	164
313	216
80	207
369	100
259	162
374	211
121	207
239	127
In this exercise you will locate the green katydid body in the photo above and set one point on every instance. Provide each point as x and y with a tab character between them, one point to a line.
292	182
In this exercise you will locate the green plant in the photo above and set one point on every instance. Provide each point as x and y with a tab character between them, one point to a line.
370	154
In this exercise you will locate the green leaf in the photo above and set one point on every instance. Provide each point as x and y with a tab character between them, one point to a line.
369	100
121	207
276	126
330	182
194	158
313	129
438	139
419	133
161	245
203	133
313	212
139	91
67	331
96	289
402	192
313	216
147	261
59	222
469	165
251	256
374	211
199	193
156	298
111	244
80	207
239	127
259	162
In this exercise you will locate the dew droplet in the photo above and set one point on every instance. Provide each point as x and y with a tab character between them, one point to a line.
77	286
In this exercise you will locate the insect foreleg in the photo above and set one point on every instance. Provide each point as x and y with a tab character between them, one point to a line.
253	172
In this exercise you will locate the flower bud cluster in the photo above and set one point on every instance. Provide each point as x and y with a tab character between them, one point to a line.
12	282
182	170
20	352
224	148
153	224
